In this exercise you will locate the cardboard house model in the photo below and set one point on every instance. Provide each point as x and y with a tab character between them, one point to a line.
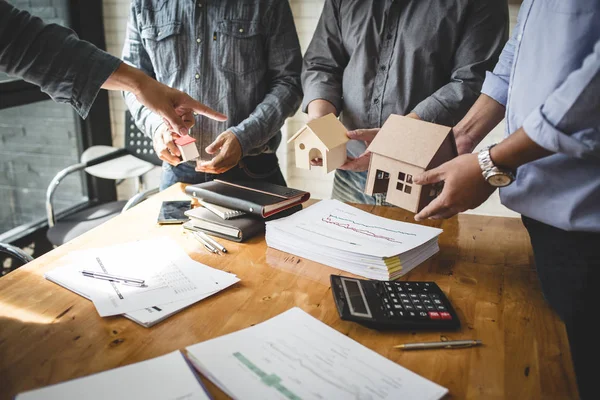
323	138
403	148
187	147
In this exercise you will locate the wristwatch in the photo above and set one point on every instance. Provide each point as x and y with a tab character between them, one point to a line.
495	176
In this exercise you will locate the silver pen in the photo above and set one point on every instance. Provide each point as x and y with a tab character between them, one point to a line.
207	245
212	241
449	344
114	278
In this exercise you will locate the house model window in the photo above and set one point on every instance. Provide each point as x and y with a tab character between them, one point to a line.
403	148
322	138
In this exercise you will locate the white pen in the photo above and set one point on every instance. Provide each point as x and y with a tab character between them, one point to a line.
213	242
113	278
207	245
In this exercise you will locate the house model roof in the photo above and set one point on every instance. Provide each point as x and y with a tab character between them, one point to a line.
328	129
409	140
183	140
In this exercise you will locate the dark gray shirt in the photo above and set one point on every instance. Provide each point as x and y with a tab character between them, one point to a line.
51	56
374	58
240	58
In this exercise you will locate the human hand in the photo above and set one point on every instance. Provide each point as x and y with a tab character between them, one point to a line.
360	163
464	187
164	146
230	153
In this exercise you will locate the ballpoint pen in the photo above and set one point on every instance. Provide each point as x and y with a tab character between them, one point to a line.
449	344
213	242
113	278
207	245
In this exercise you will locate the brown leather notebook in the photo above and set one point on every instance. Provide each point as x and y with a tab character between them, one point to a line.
261	199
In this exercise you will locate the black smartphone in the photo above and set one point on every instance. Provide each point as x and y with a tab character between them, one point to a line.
173	212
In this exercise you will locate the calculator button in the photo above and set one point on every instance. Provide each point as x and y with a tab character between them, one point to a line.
427	301
445	315
437	302
397	306
406	301
416	301
441	308
434	295
388	307
412	314
400	314
391	314
429	307
385	300
404	295
414	296
424	296
395	301
419	307
423	315
434	315
408	307
393	295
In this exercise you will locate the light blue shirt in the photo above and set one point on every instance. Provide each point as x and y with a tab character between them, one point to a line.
548	77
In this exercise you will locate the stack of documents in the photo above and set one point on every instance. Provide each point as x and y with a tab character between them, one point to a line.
295	356
173	280
167	377
336	234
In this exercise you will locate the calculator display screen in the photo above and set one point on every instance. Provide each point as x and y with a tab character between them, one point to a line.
356	298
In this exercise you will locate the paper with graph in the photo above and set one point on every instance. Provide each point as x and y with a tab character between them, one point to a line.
336	234
294	356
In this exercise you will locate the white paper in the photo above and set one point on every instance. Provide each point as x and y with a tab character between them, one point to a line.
295	356
332	223
173	279
162	378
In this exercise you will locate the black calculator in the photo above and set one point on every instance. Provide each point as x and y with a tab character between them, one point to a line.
394	304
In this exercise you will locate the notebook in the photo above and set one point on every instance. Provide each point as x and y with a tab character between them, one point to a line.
223	212
237	229
261	199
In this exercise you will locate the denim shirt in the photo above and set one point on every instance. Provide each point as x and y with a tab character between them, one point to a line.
548	77
241	58
52	57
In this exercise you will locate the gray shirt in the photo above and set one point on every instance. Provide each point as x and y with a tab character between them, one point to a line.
51	56
374	58
240	58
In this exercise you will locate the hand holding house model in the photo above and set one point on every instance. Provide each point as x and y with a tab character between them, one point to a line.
403	148
323	138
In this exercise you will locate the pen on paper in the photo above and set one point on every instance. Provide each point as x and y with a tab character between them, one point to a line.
449	344
213	242
114	278
207	245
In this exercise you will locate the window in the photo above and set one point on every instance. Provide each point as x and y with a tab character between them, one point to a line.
403	183
40	137
382	181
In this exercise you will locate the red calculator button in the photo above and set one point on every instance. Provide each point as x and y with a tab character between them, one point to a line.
445	315
434	315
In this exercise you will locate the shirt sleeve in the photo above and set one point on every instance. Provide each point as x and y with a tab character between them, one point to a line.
52	57
135	55
569	121
285	93
496	83
325	60
485	33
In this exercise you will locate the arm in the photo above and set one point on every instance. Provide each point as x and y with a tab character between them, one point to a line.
52	57
324	64
483	34
285	93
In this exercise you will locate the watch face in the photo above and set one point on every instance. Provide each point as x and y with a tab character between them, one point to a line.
499	180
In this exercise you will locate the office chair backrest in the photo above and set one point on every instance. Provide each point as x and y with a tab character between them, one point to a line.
137	143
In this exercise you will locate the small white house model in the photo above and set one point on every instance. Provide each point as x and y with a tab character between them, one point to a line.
187	147
322	138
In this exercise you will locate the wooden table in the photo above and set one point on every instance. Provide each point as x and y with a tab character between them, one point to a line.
49	334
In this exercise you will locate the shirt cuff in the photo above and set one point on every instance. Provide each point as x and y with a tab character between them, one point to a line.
495	87
99	66
322	93
546	135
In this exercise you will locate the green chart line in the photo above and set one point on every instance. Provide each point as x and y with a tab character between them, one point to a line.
271	380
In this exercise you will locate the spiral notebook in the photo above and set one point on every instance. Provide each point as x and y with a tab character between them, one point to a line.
223	212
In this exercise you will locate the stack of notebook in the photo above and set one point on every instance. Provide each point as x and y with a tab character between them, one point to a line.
336	234
238	211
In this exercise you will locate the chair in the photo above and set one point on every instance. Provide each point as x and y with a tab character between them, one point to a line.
14	253
133	161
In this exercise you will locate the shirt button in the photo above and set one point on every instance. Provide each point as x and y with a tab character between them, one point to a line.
241	30
382	68
197	76
200	5
198	40
376	101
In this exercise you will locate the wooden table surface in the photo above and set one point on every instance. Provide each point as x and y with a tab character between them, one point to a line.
49	334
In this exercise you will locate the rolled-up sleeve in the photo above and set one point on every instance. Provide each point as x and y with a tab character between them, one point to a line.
569	120
325	60
52	57
135	54
485	33
285	91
